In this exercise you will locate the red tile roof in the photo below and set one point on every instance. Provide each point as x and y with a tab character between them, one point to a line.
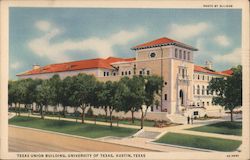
77	65
229	72
162	42
206	70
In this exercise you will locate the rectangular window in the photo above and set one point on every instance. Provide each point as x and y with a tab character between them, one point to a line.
180	54
107	73
148	72
140	72
166	97
188	56
104	74
129	72
175	53
196	113
184	55
122	73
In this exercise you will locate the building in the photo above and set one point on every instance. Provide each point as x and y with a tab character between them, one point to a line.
185	84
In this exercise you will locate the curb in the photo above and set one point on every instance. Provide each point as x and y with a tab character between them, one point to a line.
184	147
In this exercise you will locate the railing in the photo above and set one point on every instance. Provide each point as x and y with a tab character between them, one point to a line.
183	77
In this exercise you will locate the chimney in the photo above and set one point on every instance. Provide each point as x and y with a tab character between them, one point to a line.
36	66
209	64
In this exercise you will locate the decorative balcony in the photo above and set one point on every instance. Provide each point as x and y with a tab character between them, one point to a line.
183	77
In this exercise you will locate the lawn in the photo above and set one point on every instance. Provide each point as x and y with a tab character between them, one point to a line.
148	123
228	128
85	130
216	144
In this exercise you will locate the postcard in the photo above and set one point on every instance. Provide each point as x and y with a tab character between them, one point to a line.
124	79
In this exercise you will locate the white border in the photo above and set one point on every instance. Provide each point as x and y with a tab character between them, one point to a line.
243	4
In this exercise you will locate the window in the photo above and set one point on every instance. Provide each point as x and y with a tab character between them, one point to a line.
193	76
184	55
107	73
196	113
198	89
122	73
140	72
193	89
152	55
188	55
181	95
114	74
207	103
148	72
180	54
203	90
207	78
207	91
183	73
203	77
176	53
129	72
198	76
104	74
166	97
126	72
203	104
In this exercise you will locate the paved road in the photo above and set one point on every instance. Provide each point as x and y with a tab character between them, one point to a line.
27	140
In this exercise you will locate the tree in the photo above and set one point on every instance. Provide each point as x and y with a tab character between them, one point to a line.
100	98
114	99
55	83
153	84
228	89
65	93
84	91
13	94
133	96
43	95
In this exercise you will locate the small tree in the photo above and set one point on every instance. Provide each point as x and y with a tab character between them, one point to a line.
228	89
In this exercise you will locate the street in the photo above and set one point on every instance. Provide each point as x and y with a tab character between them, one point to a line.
27	140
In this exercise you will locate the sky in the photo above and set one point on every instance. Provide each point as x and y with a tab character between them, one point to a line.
52	35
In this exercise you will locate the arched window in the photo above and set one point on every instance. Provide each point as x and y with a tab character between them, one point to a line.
198	89
181	97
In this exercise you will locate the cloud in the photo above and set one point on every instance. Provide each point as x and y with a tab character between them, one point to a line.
43	25
233	58
182	32
15	65
43	47
222	40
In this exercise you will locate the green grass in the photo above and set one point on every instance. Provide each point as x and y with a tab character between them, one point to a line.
85	130
217	144
228	128
147	123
